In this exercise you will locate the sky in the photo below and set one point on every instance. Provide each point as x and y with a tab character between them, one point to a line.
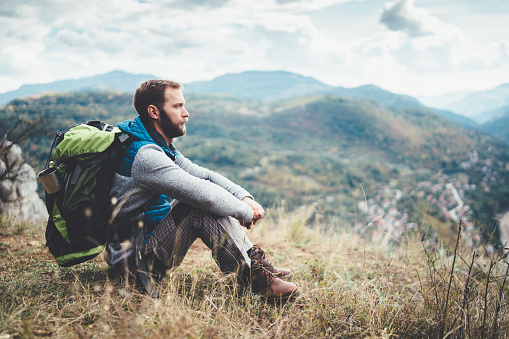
415	47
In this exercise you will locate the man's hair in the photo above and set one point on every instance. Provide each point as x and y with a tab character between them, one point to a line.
151	92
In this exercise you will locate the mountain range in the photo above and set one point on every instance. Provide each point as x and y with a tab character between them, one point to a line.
480	106
487	111
255	85
113	81
280	85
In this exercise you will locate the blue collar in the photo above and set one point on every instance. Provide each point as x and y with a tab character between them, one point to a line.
161	141
156	136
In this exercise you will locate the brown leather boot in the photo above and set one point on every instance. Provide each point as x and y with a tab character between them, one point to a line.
264	282
258	254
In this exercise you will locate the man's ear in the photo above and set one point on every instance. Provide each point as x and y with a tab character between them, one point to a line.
153	112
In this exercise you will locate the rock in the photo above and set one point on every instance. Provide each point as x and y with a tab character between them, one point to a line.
15	155
6	190
27	181
2	167
18	191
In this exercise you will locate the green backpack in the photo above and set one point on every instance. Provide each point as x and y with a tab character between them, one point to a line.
85	159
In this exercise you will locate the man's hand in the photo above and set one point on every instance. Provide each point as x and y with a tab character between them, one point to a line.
258	212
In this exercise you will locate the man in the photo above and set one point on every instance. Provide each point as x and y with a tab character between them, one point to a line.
206	205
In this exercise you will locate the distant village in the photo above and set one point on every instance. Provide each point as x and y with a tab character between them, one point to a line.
387	224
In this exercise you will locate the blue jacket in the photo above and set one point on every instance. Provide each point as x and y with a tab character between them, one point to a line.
142	136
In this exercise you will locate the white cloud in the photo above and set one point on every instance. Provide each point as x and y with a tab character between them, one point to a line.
47	40
402	15
432	46
73	39
425	29
188	40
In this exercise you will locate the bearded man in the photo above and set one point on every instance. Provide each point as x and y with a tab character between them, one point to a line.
204	204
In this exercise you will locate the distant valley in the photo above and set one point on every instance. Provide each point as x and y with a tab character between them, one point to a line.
361	158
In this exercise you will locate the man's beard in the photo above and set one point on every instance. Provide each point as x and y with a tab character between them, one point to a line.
169	128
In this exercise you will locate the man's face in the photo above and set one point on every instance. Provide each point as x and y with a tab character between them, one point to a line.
173	114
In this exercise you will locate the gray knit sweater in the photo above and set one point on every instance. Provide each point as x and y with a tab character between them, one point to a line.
153	171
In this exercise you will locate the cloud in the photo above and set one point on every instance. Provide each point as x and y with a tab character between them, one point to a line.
189	39
72	38
427	44
192	4
402	15
47	40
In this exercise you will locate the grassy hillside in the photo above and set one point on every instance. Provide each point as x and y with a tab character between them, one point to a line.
350	286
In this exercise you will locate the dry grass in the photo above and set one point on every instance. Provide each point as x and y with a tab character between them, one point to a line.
350	288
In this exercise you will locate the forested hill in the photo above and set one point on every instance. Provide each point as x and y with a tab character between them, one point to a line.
357	162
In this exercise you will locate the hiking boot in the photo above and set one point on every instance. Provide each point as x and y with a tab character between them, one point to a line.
275	289
258	254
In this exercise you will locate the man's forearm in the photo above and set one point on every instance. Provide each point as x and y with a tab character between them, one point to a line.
212	176
153	170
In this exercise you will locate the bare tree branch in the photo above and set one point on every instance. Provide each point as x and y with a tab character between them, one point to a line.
17	128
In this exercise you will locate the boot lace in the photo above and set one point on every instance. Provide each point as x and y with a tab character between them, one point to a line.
257	254
261	277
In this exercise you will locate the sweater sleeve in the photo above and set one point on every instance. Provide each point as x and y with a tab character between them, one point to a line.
153	170
216	178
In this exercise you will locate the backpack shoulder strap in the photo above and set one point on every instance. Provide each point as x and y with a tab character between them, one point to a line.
141	264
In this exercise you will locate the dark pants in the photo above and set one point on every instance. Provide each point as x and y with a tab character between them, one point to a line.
175	234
